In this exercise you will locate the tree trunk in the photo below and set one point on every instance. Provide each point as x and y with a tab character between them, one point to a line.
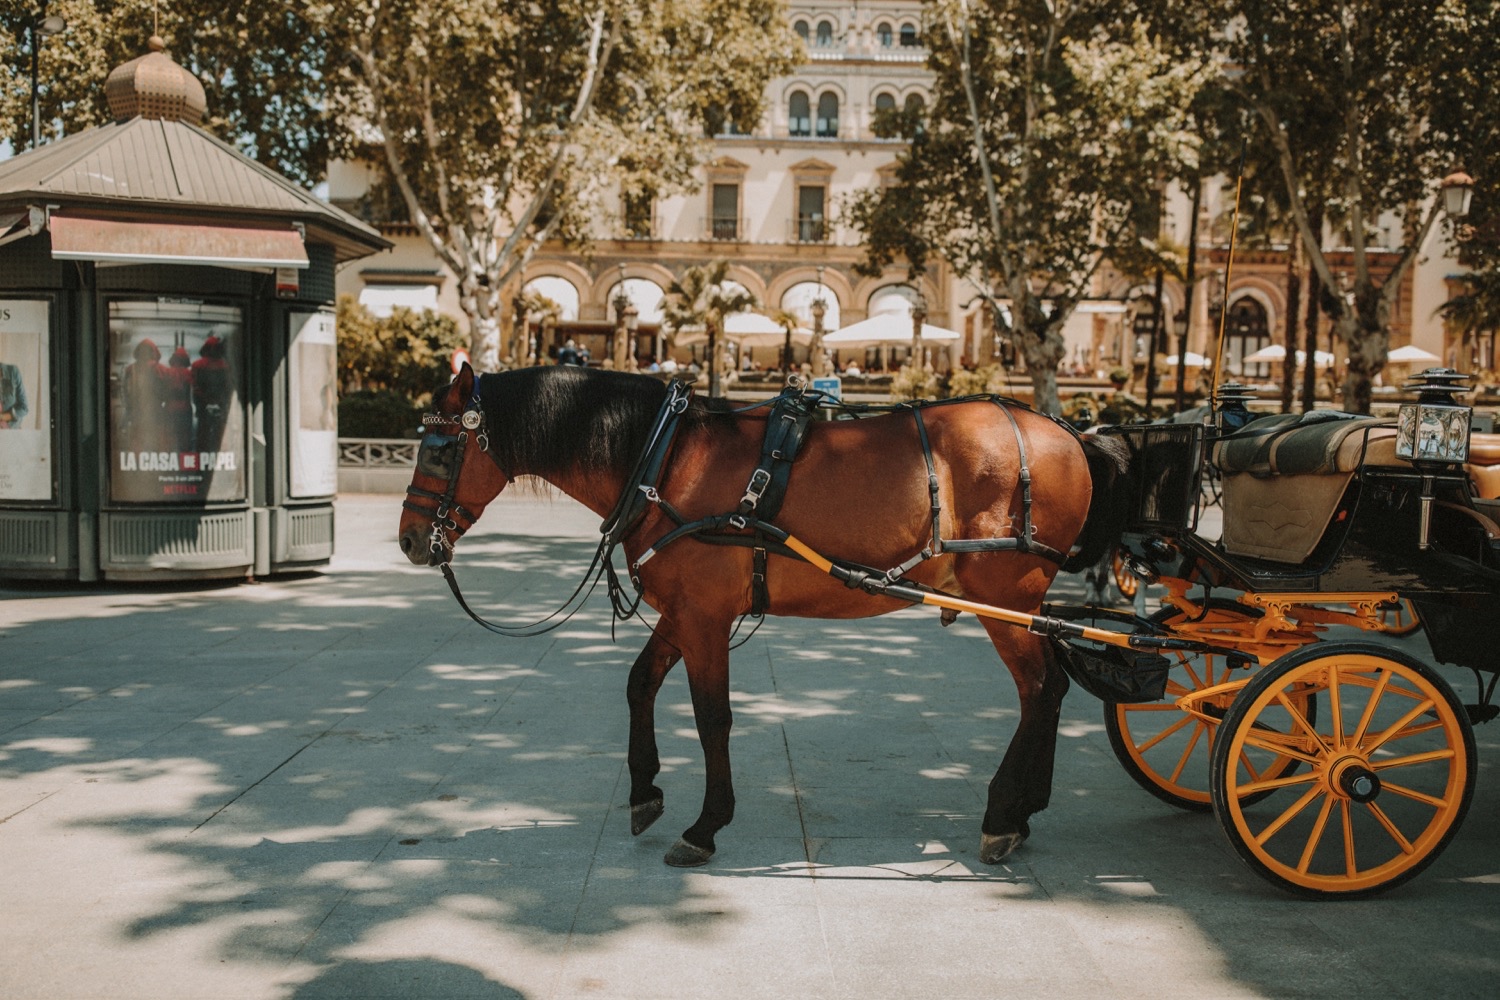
1310	341
1364	330
1293	304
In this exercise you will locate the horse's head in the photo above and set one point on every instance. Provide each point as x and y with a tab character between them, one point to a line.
455	476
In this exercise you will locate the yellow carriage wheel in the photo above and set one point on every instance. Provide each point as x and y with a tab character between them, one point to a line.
1388	776
1126	582
1166	750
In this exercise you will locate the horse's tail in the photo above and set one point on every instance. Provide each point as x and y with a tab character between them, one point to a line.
1109	461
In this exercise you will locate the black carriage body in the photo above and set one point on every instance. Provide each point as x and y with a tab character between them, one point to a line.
1372	543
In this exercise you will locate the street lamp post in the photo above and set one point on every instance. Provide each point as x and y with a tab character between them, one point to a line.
632	323
38	28
1180	328
819	309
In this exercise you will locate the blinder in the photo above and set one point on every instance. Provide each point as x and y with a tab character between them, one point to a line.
441	456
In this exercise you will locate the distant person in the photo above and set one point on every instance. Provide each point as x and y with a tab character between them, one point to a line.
568	354
851	370
13	408
669	365
583	355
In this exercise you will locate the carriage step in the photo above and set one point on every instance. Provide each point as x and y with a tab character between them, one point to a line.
1481	713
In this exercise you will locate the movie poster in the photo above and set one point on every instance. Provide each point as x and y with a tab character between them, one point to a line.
177	422
25	400
312	404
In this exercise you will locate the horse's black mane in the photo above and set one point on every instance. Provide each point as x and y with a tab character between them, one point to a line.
562	418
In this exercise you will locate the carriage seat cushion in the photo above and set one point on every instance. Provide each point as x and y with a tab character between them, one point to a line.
1323	442
1284	476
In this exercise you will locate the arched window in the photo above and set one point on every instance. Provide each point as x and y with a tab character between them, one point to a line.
802	31
1248	330
916	103
828	115
825	34
909	36
799	114
885	102
884	36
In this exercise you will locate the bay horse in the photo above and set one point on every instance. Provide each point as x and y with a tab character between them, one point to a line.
859	491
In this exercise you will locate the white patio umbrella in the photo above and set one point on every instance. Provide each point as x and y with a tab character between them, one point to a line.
1276	353
1410	354
887	329
748	329
1192	360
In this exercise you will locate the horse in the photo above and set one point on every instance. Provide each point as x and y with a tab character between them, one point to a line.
859	489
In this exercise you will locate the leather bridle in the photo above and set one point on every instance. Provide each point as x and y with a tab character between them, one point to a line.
441	456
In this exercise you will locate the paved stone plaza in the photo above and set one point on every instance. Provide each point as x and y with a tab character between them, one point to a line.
335	785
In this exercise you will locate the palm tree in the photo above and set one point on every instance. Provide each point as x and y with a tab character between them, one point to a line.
703	296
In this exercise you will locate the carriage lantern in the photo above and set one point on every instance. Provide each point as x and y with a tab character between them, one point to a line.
1230	411
1433	432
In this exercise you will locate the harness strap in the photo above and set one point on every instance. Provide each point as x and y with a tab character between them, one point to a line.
785	429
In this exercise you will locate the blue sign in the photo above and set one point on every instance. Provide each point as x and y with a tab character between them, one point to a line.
832	387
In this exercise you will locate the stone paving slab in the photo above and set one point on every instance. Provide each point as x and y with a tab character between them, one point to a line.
334	785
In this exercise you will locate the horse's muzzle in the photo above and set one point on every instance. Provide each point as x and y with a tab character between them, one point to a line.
418	548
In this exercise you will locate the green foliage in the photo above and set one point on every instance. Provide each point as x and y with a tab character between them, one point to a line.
378	413
263	67
1046	124
504	124
408	353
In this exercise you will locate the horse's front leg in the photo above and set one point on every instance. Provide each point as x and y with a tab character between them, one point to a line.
1022	785
708	680
646	676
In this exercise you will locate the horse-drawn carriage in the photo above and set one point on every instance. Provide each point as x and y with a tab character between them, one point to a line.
1336	766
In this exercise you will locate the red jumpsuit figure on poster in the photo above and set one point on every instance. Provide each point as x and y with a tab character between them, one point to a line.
146	384
179	401
211	391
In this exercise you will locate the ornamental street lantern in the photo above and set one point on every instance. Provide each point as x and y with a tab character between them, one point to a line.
1458	191
1433	432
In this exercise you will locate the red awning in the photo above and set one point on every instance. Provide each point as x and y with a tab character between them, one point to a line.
114	242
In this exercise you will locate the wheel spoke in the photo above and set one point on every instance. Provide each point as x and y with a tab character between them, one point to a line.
1369	713
1174	727
1351	867
1284	744
1335	710
1280	821
1390	828
1395	730
1317	835
1414	795
1442	753
1188	753
1299	719
1271	784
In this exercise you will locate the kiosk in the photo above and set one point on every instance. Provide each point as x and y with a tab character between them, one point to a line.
167	349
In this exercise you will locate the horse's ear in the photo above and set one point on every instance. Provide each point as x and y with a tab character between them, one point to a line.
464	382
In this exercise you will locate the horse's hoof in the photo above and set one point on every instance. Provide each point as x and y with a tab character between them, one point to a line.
685	855
995	848
643	815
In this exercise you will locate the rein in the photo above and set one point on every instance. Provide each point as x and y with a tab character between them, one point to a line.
640	487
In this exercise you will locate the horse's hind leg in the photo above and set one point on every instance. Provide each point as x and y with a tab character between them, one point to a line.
1022	785
646	675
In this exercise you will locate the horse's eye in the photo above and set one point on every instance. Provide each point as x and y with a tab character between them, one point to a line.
436	455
